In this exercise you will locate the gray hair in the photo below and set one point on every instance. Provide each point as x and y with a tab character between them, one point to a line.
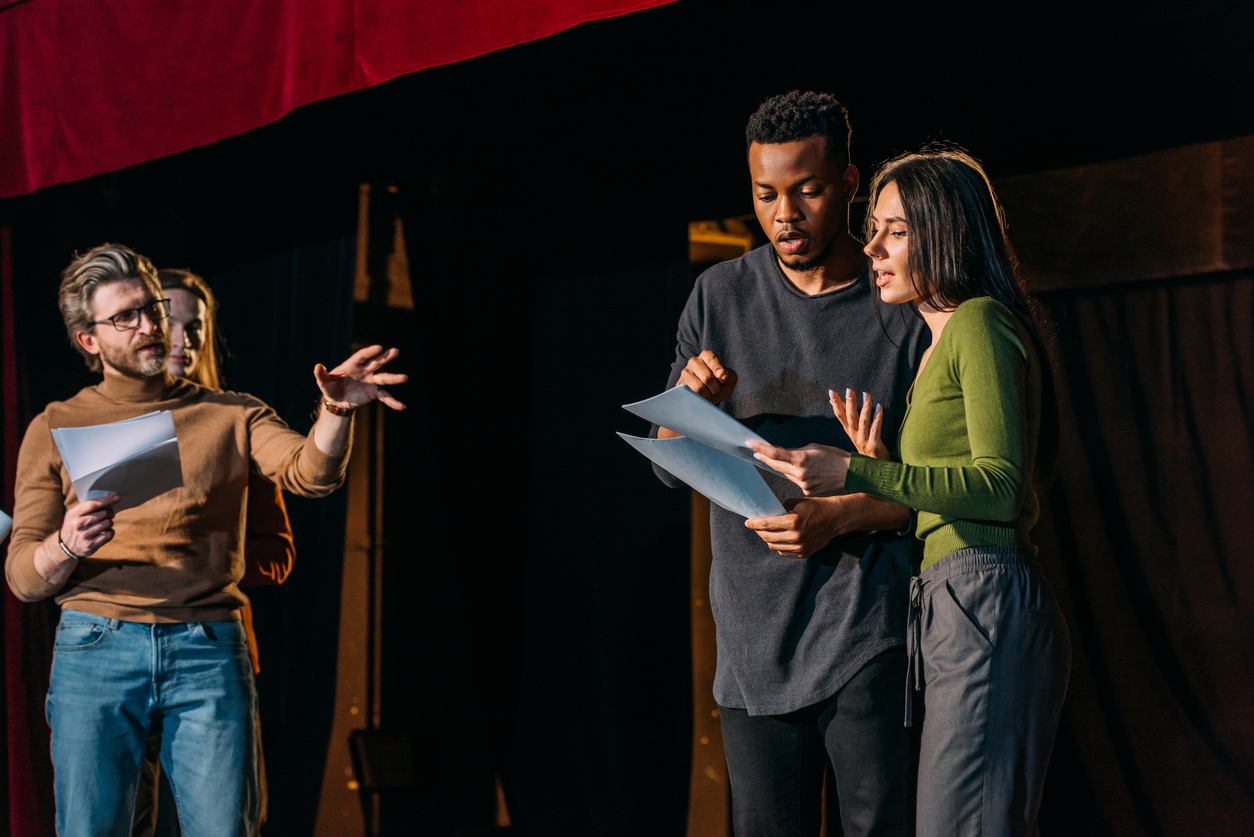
85	275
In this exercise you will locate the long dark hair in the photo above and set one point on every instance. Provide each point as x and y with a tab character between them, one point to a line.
207	372
959	251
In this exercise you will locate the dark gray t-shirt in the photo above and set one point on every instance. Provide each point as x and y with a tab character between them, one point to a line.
792	632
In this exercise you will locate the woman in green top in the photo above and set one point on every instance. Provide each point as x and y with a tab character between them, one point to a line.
988	645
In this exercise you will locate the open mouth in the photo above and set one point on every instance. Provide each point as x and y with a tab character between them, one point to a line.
793	242
883	277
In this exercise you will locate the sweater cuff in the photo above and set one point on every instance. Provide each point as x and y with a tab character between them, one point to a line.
27	584
321	469
868	475
877	477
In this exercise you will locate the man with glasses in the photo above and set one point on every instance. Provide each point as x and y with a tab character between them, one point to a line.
150	638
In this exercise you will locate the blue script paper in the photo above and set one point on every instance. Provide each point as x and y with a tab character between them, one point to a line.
730	482
683	411
711	456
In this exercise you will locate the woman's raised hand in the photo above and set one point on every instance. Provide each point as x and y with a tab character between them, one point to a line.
861	425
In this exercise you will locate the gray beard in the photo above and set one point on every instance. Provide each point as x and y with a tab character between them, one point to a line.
132	366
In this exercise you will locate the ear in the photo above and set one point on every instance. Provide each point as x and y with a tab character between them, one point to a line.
88	341
850	179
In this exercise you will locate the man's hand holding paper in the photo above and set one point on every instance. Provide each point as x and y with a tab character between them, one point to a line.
705	375
809	525
709	377
87	527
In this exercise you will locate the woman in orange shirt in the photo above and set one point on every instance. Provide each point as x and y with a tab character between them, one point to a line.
269	550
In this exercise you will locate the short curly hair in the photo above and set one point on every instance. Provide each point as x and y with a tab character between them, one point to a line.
796	116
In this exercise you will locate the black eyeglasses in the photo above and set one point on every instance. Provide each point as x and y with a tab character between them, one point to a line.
155	311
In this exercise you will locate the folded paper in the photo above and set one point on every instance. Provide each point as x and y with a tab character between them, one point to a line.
137	459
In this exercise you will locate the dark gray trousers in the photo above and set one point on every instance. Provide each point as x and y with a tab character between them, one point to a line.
992	654
775	762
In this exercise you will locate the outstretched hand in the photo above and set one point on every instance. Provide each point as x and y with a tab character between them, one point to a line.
861	426
817	469
357	381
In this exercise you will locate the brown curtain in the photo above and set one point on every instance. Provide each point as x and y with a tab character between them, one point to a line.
1146	538
1145	269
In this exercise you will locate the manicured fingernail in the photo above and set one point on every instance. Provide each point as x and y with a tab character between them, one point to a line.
879	408
865	398
757	456
849	394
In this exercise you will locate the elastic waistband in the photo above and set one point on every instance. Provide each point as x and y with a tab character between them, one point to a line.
977	558
966	560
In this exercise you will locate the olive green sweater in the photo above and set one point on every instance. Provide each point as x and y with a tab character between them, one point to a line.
968	439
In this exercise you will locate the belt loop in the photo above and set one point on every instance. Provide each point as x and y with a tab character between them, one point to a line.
113	624
914	635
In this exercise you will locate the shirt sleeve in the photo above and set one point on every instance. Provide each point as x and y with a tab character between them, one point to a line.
288	459
269	548
687	345
39	511
990	362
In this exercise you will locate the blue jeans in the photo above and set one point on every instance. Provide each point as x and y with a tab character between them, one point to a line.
111	682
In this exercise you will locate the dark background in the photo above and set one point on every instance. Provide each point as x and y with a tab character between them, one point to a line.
536	581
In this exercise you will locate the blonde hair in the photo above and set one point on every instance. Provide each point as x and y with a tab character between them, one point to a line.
85	275
206	372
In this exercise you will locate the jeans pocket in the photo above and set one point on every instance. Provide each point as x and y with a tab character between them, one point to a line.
79	635
223	634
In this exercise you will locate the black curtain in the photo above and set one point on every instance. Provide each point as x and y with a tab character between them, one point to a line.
603	742
1145	536
282	313
535	614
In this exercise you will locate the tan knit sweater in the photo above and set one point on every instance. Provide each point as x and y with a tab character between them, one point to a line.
178	557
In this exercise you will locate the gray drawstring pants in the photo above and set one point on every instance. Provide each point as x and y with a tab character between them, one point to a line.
991	654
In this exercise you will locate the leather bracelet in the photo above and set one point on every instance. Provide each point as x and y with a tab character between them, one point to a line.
66	549
337	411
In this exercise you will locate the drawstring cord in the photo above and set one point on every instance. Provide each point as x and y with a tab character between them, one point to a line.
914	636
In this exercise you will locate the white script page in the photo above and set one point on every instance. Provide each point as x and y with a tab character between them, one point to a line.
137	459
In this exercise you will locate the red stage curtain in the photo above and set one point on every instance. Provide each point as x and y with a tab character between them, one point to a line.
26	808
87	88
